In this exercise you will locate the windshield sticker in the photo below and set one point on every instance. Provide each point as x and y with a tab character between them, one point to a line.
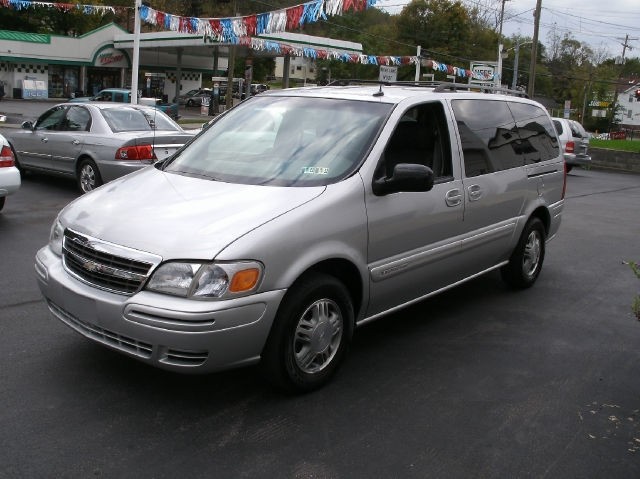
315	170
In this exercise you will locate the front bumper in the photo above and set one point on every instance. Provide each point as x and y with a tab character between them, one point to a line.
168	332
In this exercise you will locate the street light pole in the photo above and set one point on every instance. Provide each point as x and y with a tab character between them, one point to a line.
136	53
514	82
498	76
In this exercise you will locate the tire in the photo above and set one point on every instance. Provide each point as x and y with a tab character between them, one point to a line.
88	176
2	199
569	168
525	263
310	335
189	103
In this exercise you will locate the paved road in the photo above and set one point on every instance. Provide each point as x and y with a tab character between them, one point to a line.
478	382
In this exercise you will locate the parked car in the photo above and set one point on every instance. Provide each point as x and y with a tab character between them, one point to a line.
95	142
301	214
9	174
193	97
122	95
574	141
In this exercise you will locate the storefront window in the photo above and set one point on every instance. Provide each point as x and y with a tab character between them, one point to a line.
63	81
101	78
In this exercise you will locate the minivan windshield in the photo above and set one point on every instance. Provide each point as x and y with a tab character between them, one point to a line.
284	141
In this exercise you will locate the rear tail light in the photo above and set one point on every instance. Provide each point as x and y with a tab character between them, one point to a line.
138	152
570	147
6	157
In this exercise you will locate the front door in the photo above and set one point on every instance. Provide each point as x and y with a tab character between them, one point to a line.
414	236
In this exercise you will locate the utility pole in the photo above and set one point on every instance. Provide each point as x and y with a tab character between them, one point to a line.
534	50
498	76
625	45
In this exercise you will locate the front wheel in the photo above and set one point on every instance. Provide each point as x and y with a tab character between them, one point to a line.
310	335
526	260
88	176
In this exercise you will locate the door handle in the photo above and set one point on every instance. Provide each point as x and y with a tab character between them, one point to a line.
453	197
475	192
76	142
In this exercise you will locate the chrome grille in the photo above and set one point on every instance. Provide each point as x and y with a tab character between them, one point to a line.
102	335
105	266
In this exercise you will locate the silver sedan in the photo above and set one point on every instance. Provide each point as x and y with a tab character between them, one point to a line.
95	142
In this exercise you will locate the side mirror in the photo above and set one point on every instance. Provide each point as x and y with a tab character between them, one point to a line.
406	177
27	125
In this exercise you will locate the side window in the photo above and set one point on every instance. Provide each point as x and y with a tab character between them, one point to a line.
51	119
558	126
118	97
421	137
78	119
538	141
488	136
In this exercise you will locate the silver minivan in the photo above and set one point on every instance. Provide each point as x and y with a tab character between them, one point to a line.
301	214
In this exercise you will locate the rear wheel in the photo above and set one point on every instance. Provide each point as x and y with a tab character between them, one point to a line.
526	260
2	202
88	176
189	102
310	335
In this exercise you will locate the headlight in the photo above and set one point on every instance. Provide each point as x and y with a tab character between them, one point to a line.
206	280
55	237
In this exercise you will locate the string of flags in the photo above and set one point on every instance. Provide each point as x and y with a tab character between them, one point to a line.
244	30
62	7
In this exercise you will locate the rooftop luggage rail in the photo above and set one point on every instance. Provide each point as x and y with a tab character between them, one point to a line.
437	86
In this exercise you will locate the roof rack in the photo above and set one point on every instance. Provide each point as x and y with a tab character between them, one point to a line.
350	81
438	86
483	88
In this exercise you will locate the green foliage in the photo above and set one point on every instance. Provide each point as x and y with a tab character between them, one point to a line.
621	145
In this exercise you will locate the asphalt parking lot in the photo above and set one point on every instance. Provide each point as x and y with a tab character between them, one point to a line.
478	382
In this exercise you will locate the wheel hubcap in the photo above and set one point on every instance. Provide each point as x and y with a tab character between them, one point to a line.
87	178
318	336
532	252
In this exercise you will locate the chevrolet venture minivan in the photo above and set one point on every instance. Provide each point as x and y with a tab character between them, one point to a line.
301	214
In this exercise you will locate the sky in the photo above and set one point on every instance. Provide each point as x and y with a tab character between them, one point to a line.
601	24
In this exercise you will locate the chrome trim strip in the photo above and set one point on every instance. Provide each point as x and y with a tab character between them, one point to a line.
118	250
416	260
394	268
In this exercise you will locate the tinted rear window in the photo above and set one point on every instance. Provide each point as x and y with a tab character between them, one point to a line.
134	119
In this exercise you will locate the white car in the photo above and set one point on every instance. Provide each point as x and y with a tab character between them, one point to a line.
9	174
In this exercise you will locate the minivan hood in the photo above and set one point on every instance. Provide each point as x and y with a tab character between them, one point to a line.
176	216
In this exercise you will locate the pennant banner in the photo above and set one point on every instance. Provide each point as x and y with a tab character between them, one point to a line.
63	7
230	30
